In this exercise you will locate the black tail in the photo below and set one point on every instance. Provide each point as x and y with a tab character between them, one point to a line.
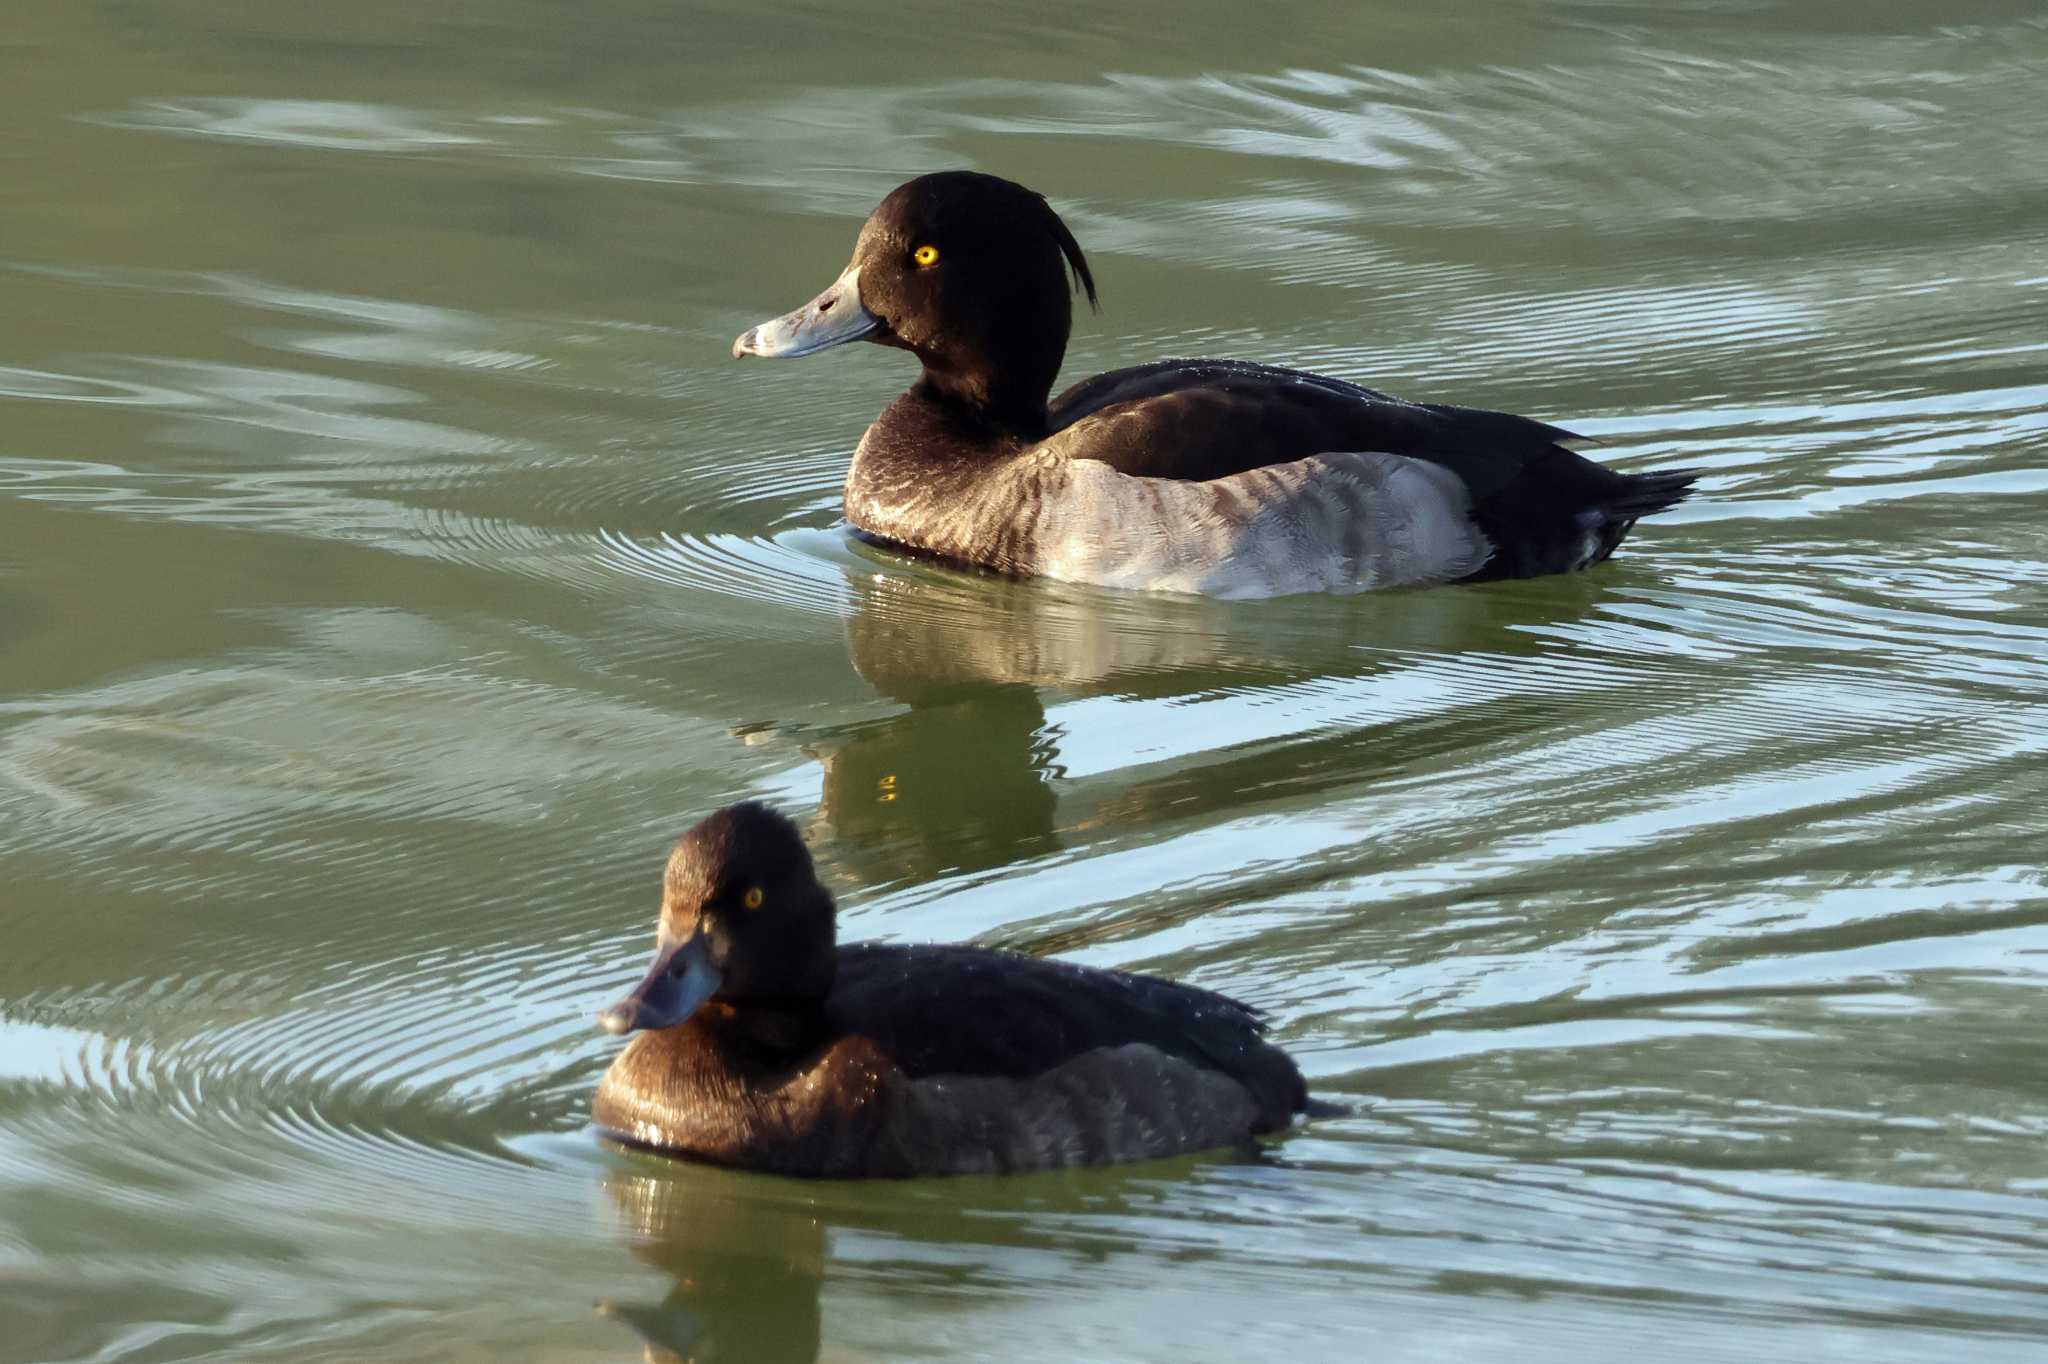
1647	494
1635	495
1562	512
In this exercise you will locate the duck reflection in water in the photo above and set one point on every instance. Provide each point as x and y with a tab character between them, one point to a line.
748	1258
970	776
746	1268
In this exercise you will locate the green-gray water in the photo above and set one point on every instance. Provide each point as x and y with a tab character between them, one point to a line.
392	561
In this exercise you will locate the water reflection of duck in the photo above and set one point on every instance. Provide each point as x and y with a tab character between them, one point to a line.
969	775
931	635
960	782
748	1259
765	1045
745	1270
1210	476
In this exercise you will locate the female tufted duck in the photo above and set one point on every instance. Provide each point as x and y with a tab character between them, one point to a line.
1215	476
764	1045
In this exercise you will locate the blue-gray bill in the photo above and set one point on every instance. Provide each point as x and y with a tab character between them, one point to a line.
832	318
675	986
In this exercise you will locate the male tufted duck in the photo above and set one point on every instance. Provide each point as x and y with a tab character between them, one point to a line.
1212	476
763	1044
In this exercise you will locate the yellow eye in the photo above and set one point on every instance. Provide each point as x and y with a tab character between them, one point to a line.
753	898
926	255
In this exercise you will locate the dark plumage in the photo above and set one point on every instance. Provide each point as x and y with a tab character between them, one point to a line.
767	1046
1208	419
968	273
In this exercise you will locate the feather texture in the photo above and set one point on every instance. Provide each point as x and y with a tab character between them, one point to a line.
952	1060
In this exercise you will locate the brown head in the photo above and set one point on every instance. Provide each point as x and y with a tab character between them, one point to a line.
743	921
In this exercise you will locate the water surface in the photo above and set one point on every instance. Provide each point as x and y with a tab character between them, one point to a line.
392	561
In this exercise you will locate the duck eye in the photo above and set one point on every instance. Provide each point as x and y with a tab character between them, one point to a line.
926	255
753	898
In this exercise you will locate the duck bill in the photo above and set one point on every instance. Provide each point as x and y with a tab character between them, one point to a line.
832	318
675	986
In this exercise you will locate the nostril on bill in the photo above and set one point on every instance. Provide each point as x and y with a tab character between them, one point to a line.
826	306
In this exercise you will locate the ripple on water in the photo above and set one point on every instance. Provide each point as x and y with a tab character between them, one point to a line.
799	570
334	125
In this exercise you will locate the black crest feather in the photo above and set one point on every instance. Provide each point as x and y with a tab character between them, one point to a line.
1071	249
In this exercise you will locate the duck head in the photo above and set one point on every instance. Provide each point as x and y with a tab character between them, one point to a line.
743	921
968	272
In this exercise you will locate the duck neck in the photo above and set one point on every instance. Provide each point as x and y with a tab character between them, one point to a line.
768	1029
937	475
977	401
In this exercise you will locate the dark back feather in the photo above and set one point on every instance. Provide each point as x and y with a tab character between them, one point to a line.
946	1009
1536	501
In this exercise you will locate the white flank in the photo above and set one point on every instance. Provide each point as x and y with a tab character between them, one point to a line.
1344	522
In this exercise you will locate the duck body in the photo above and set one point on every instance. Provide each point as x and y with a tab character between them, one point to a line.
1214	476
763	1045
943	1060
